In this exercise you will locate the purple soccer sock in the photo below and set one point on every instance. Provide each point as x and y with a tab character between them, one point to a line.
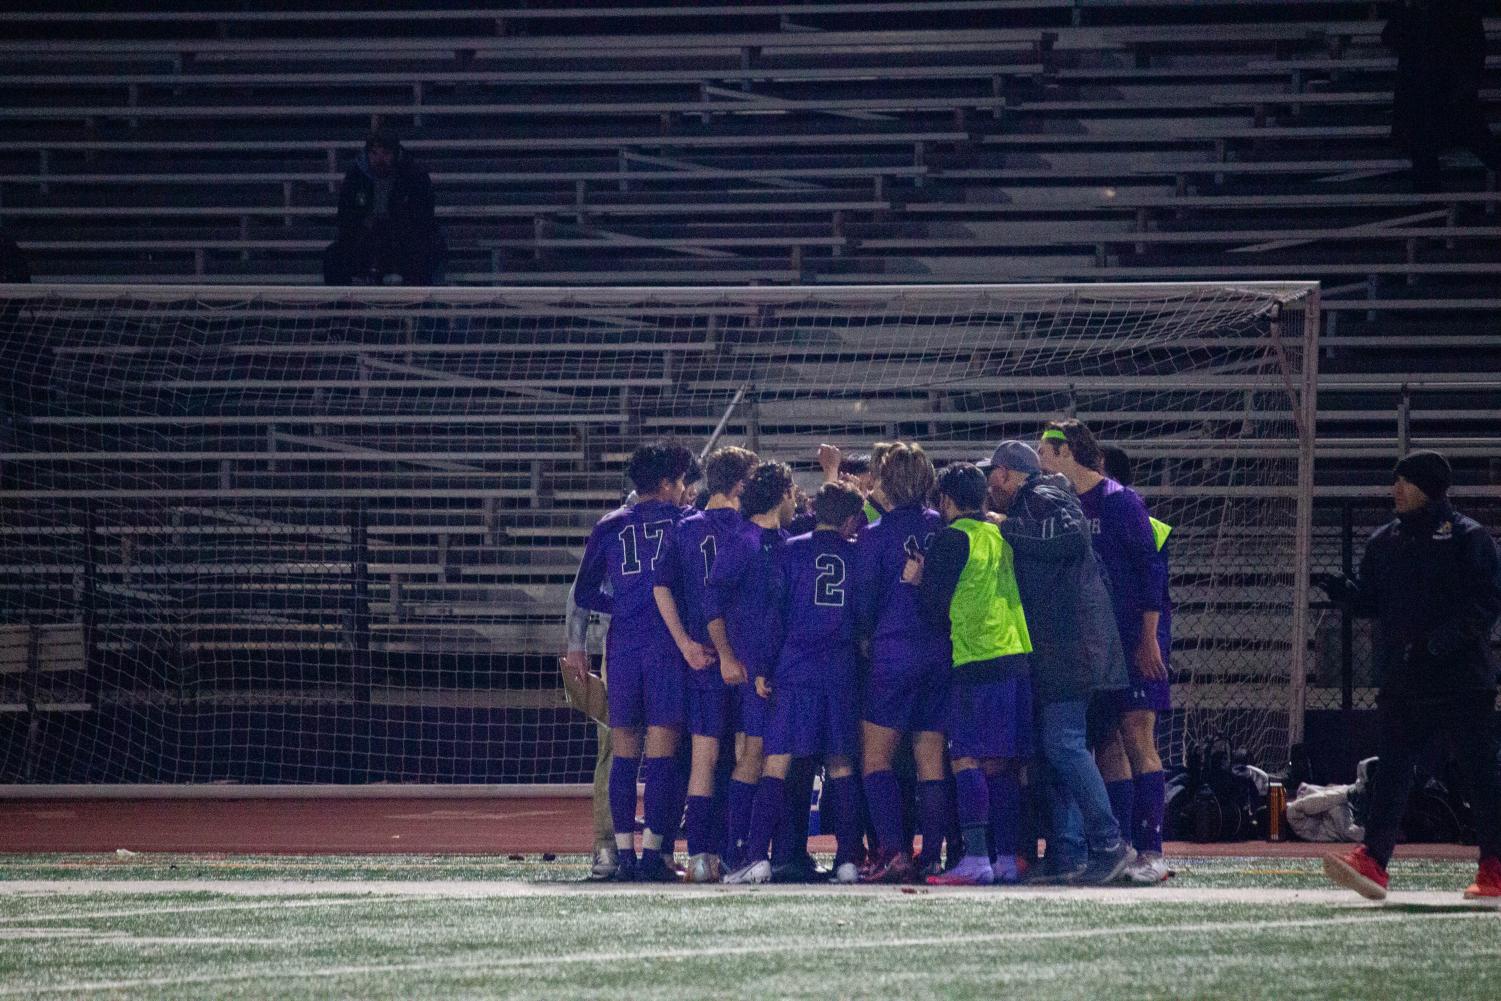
1146	825
933	813
696	827
792	831
765	817
973	800
660	795
623	797
883	796
1122	793
842	800
741	796
1005	813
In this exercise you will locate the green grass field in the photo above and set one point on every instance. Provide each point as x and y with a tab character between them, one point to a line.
192	927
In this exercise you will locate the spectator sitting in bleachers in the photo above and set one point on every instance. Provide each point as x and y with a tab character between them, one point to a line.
386	221
1440	50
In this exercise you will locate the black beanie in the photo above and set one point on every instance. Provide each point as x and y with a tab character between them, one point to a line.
1428	471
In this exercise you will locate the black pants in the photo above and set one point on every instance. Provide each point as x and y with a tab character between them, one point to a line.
367	258
1406	730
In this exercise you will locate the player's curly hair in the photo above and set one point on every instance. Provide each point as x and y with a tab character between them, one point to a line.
656	461
835	503
905	473
964	484
1079	439
765	488
726	468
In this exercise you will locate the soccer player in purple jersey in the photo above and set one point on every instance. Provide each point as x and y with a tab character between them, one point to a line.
967	586
907	690
811	685
646	689
682	585
740	626
1136	573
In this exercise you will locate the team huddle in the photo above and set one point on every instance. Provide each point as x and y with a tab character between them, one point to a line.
973	657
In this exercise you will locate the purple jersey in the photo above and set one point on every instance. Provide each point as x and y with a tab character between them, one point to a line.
817	623
887	609
623	551
738	592
1134	570
685	568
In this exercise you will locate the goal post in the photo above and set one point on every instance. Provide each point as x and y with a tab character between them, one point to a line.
268	537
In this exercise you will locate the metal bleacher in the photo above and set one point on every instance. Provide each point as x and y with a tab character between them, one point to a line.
819	143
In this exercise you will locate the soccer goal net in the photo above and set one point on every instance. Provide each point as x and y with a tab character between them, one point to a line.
284	536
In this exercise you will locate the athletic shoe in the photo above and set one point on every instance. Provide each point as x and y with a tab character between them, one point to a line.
654	869
758	871
704	868
1150	869
1359	872
1007	870
971	871
1487	885
897	868
606	861
1106	865
625	868
923	869
800	870
1051	872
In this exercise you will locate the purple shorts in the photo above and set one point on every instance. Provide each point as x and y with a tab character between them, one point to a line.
1141	694
710	710
990	719
750	710
811	724
914	701
647	684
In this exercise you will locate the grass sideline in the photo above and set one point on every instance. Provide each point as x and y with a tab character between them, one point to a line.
195	926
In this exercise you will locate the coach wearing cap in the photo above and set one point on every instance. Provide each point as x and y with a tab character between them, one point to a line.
1076	654
1429	578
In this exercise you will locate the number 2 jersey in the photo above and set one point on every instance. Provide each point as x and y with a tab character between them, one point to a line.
813	579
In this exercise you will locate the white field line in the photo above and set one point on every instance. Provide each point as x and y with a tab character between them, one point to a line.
790	946
468	889
90	936
200	909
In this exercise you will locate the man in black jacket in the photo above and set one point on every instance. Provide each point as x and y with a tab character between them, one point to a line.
386	220
1430	579
1076	654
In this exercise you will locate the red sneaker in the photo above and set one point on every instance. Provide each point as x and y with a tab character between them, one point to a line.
1359	872
1487	885
896	869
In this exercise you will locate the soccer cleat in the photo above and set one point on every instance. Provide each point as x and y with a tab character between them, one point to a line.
1359	872
1487	885
895	868
758	871
971	871
1007	870
1106	865
625	868
606	861
704	868
654	869
1150	869
845	872
800	870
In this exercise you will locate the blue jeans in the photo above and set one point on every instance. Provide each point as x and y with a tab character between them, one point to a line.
1077	801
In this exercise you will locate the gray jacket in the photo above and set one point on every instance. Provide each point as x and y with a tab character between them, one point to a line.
1076	648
